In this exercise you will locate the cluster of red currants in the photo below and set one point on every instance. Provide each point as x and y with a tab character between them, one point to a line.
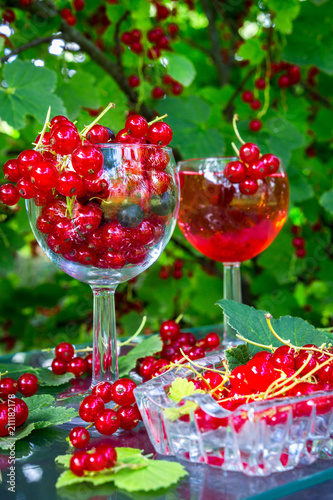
250	168
101	457
107	421
173	341
176	271
156	36
69	164
14	411
66	361
27	385
68	15
298	242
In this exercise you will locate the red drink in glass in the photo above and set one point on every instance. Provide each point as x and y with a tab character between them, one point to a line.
225	225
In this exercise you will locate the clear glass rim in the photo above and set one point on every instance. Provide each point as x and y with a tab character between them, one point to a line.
183	163
122	145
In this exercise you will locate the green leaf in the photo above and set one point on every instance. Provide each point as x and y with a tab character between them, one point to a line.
30	92
300	189
207	143
284	13
141	474
75	94
45	376
181	68
158	474
251	50
20	433
237	356
180	388
326	201
251	324
283	137
146	348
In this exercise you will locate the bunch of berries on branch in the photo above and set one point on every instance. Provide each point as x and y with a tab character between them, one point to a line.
106	208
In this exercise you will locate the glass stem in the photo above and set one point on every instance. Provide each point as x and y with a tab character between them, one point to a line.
105	356
231	290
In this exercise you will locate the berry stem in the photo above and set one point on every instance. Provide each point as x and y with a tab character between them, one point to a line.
235	148
3	373
179	318
89	426
139	330
46	123
285	342
157	119
266	91
234	124
86	129
240	337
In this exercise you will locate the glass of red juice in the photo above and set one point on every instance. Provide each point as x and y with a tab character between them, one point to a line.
227	225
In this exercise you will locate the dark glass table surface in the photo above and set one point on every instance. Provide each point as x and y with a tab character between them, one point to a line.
36	472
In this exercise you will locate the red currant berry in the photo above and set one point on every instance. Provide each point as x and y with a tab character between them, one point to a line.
284	81
157	93
153	53
96	461
114	260
249	152
87	218
69	184
235	171
159	133
301	253
103	390
162	12
79	462
255	104
173	29
59	366
154	34
260	83
122	391
284	349
78	366
27	384
44	175
214	379
260	374
57	120
177	89
294	73
255	125
281	361
136	47
136	125
46	139
89	360
26	188
27	159
146	366
64	351
271	162
79	437
87	161
133	81
8	16
9	194
98	134
64	139
90	407
298	242
238	379
247	96
107	422
136	35
263	355
126	37
169	330
7	386
129	417
109	452
248	187
21	411
212	340
160	366
196	353
79	5
257	170
11	171
159	182
57	245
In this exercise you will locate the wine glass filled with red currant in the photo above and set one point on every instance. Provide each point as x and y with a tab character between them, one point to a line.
101	207
232	209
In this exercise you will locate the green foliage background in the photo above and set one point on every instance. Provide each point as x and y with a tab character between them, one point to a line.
40	306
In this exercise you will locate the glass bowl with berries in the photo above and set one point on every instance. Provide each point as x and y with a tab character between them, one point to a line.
256	414
102	207
232	209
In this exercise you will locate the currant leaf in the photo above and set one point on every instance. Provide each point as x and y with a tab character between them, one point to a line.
180	388
146	348
237	356
251	324
45	377
20	433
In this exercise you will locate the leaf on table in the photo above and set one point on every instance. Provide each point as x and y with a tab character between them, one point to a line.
46	417
237	356
20	433
139	474
158	474
146	348
45	376
251	324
